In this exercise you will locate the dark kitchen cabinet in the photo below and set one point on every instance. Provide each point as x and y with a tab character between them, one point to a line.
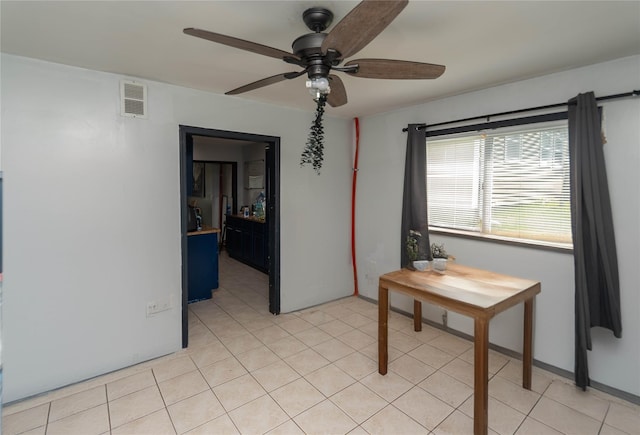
246	241
202	265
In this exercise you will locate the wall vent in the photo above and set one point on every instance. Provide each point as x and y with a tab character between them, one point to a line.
133	99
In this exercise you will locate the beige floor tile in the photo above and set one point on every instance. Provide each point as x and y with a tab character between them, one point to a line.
316	317
430	355
577	399
23	421
461	370
239	391
241	343
172	368
624	418
533	427
389	387
77	402
564	419
356	320
411	369
181	387
392	421
306	361
37	431
258	416
512	371
356	339
456	423
313	336
220	425
427	333
295	325
325	418
275	375
336	328
329	380
271	334
358	402
204	356
502	418
297	396
157	423
287	428
195	411
357	365
135	405
449	390
287	347
130	384
90	421
513	395
258	324
223	371
372	352
403	342
333	349
451	344
423	407
609	430
371	329
497	361
257	358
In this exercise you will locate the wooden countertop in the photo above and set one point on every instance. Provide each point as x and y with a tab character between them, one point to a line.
250	218
205	230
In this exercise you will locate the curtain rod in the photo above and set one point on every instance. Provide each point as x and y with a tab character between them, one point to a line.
633	93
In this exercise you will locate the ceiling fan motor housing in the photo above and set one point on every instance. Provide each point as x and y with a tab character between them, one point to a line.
308	49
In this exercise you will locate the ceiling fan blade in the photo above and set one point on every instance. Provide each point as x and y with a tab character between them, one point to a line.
239	43
361	26
265	82
338	95
395	69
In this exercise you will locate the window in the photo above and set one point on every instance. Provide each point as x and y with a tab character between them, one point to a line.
512	183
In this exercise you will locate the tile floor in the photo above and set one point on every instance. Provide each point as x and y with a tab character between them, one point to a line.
315	372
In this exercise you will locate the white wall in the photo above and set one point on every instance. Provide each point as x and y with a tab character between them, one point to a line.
83	254
613	362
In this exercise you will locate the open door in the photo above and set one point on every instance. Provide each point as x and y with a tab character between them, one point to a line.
272	173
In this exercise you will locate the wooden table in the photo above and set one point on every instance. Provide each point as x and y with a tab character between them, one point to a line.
473	292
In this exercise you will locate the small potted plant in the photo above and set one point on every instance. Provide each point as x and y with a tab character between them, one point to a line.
440	257
414	253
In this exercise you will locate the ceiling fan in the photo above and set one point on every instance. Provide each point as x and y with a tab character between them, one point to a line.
319	53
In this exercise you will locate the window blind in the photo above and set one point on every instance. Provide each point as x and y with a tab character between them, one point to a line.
512	183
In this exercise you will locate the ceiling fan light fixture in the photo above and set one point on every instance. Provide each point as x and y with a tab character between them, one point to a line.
318	86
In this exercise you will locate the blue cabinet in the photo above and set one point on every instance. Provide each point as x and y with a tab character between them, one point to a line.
247	241
202	252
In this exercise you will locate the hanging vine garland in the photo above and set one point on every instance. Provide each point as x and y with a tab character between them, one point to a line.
313	153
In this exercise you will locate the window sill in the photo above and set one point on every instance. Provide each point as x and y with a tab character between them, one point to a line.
564	248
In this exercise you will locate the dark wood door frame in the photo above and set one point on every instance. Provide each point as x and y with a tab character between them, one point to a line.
272	162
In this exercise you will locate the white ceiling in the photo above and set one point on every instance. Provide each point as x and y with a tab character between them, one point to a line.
482	43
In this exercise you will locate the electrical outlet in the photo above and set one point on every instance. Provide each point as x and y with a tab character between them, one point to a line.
157	307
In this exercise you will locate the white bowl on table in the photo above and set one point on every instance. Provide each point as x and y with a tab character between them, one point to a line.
421	265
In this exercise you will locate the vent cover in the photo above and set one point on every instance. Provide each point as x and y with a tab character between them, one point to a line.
133	99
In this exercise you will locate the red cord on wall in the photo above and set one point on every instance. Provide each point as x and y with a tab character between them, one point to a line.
353	210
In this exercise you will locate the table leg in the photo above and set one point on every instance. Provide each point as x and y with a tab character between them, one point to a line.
527	355
417	315
383	331
481	377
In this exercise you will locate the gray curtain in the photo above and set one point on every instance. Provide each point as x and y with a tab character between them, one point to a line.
414	199
597	292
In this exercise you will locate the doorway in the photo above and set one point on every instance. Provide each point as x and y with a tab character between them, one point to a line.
272	213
